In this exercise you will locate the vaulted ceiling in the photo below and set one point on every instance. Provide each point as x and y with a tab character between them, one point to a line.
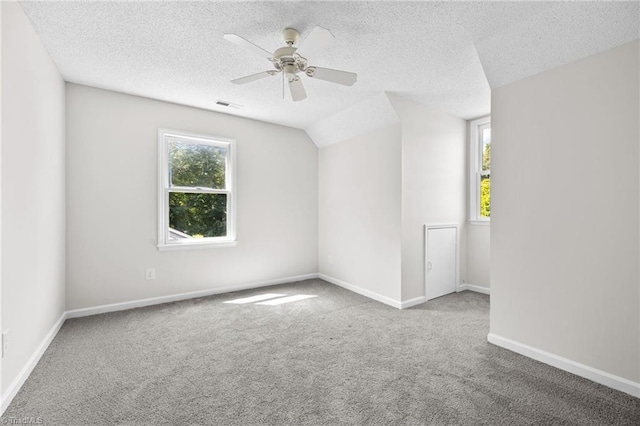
445	55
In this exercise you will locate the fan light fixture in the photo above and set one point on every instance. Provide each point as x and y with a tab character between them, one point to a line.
292	63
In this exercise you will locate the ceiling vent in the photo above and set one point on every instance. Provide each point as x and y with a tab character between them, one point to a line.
227	104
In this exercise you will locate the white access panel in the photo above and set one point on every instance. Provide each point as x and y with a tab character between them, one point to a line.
441	250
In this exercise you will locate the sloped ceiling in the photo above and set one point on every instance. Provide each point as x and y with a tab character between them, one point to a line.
429	52
370	114
561	34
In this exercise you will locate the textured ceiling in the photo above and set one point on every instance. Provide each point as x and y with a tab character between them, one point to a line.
430	52
566	32
371	114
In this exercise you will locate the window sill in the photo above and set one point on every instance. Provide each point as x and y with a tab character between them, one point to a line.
480	222
196	246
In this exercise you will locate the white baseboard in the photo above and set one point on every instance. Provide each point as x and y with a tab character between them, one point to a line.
17	383
94	310
373	295
412	302
582	370
364	292
476	288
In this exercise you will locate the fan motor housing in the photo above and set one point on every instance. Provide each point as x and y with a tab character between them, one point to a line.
286	59
284	53
290	69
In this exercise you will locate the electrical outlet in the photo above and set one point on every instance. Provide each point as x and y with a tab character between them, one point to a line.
5	343
151	274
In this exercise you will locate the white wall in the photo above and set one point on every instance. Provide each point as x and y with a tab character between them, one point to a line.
1	328
565	193
359	211
479	255
434	184
112	201
377	191
33	190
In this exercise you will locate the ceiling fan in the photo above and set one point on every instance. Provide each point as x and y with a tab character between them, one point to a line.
292	61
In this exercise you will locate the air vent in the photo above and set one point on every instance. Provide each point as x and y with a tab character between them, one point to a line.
227	104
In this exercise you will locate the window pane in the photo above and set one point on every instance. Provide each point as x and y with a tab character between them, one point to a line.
486	149
196	165
197	215
485	197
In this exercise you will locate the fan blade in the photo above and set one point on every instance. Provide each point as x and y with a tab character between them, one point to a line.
334	76
297	89
318	39
237	40
254	77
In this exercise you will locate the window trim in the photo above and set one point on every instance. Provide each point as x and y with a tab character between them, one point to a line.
163	191
475	169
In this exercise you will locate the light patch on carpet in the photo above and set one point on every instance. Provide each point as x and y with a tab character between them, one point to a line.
289	299
252	299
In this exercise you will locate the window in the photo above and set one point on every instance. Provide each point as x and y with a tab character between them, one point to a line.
196	199
480	170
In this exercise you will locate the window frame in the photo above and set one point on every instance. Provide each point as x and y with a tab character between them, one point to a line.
475	169
164	188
